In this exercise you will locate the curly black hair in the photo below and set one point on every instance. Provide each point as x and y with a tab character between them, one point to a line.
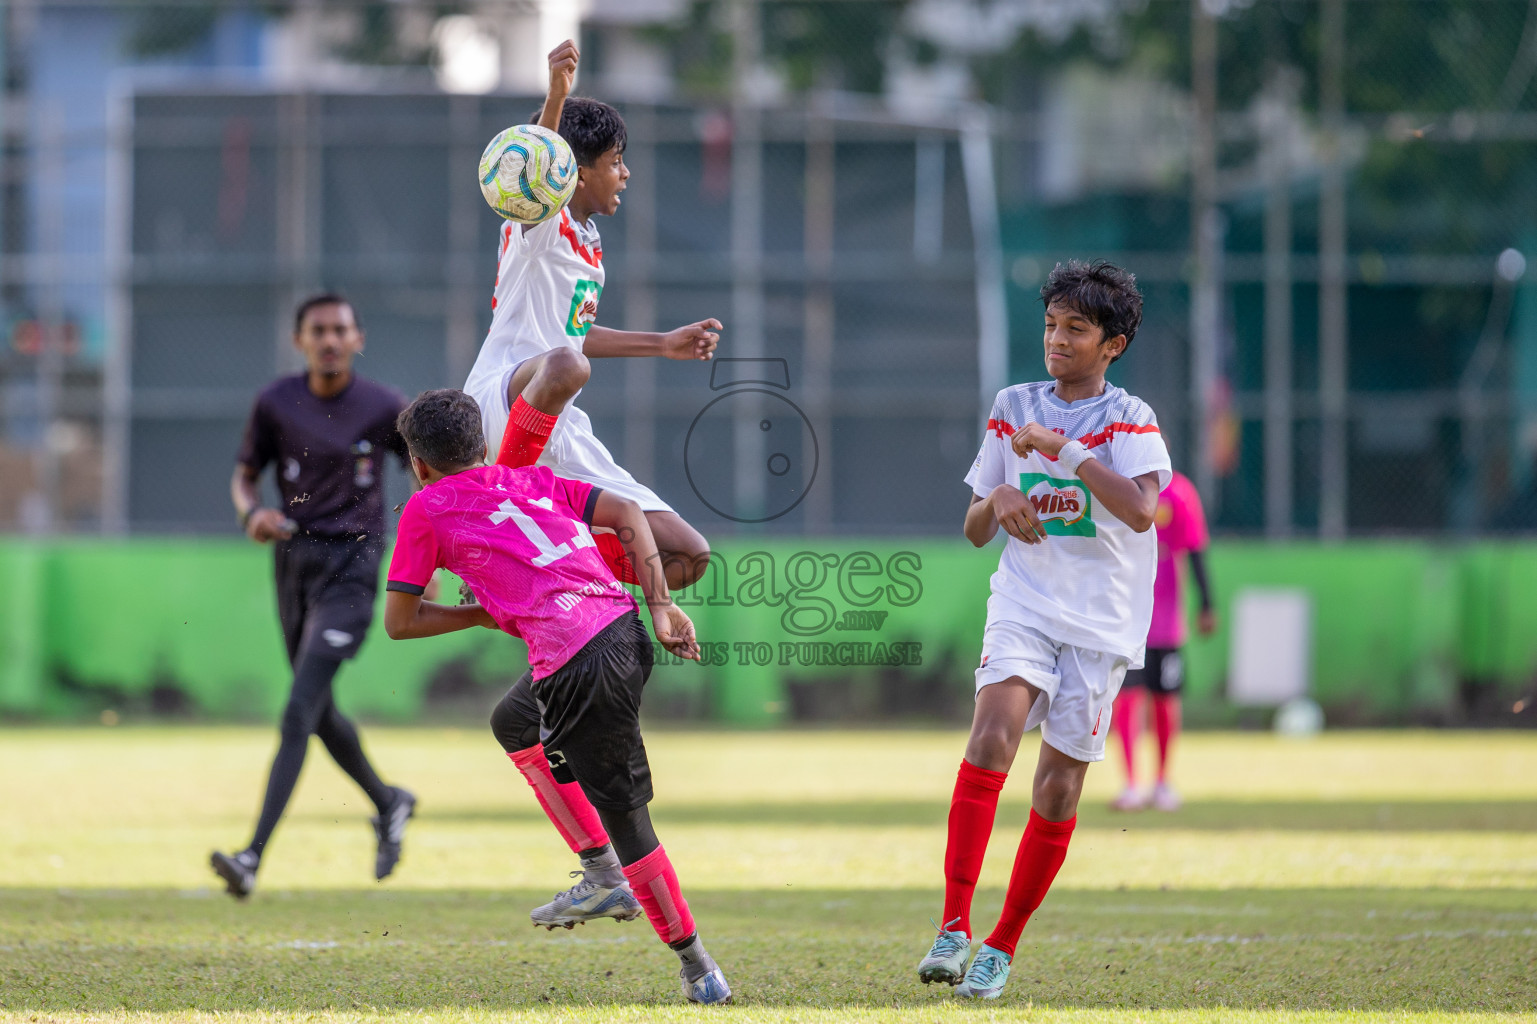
443	429
1102	292
590	127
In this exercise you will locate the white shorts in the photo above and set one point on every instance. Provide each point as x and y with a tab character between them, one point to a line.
1077	686
573	451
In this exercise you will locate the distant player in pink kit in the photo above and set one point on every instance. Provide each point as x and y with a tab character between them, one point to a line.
1181	526
521	539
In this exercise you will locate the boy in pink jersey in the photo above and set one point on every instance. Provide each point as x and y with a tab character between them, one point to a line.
521	539
1181	526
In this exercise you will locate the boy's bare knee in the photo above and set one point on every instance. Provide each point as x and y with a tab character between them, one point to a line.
1057	789
566	369
992	746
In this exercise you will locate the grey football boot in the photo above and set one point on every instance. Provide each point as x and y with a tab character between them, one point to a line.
587	900
946	959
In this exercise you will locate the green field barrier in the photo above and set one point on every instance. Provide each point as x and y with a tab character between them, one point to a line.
1399	627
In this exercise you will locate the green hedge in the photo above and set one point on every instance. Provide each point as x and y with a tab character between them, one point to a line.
1397	626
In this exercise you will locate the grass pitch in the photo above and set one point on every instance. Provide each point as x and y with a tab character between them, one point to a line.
1354	877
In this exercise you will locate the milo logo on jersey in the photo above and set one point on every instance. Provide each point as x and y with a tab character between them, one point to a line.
1064	507
584	308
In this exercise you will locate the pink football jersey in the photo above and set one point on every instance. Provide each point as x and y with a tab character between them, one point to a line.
1181	525
520	538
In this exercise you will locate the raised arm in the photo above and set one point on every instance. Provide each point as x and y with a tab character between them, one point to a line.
563	60
691	341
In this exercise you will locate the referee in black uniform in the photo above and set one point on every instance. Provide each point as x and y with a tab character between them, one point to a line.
327	430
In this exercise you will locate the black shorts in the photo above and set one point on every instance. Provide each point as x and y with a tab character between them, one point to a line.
1162	671
326	589
589	715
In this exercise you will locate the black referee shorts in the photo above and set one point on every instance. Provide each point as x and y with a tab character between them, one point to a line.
589	713
1162	671
326	588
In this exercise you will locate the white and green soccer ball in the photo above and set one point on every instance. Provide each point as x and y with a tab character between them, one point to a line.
527	173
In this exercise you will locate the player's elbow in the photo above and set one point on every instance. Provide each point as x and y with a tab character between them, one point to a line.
1142	521
976	531
398	620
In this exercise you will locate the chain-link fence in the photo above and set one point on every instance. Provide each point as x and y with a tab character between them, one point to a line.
851	316
1330	206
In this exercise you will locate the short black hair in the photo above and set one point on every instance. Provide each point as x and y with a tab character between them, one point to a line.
1102	292
442	428
324	299
591	128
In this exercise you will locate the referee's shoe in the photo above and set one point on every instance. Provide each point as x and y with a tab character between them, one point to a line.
391	829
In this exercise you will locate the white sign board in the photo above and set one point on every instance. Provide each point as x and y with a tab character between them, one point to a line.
1272	655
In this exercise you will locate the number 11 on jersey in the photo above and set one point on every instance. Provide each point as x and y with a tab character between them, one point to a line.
549	550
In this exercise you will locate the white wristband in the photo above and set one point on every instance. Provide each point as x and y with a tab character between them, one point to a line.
1073	455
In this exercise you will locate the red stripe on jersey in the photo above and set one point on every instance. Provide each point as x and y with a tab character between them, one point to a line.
1094	440
593	256
1000	428
506	241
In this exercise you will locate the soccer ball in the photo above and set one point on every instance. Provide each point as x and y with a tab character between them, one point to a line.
527	173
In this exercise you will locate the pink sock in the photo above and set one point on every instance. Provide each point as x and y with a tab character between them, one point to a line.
564	803
1166	727
1127	715
655	884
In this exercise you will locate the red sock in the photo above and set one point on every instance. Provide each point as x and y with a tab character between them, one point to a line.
1041	853
655	884
972	808
564	803
528	430
1166	726
614	554
1127	716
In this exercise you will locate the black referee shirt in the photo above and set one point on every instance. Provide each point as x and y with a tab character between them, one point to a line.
329	452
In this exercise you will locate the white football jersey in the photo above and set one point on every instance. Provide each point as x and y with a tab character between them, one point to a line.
1090	583
548	281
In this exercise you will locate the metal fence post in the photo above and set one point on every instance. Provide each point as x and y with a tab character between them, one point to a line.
1333	351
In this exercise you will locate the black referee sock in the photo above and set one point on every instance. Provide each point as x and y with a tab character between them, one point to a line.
341	738
310	709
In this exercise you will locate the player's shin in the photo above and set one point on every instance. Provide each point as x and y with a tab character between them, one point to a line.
655	883
527	432
1040	857
563	803
1166	715
1127	717
973	806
